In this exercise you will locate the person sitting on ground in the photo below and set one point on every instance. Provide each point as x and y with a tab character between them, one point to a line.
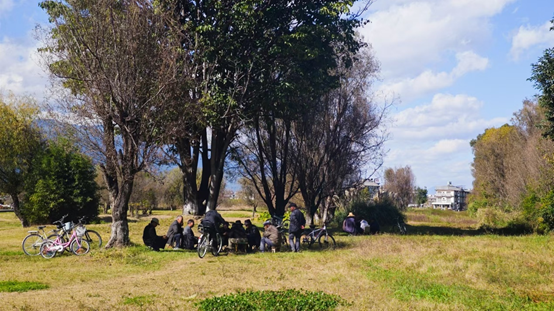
349	224
150	238
224	231
270	238
237	236
252	234
175	233
189	240
374	227
237	231
364	226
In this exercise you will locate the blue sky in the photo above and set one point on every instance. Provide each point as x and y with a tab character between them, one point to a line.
452	68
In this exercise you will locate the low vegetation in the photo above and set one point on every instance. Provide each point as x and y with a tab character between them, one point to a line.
444	263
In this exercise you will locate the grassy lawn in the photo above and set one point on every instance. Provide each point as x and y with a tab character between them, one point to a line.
442	264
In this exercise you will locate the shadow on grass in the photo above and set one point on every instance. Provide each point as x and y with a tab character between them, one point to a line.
452	231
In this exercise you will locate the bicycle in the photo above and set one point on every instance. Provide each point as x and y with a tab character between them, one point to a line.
92	237
76	244
324	239
208	239
401	225
31	243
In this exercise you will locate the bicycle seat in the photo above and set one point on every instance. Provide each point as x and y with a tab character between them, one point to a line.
41	227
312	227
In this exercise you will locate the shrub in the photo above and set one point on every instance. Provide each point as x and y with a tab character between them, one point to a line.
282	300
383	211
539	212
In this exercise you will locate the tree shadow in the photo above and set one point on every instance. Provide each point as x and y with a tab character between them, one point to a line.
453	231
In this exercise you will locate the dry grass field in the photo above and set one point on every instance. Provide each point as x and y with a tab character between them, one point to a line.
442	264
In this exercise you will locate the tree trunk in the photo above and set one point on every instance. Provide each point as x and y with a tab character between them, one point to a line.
17	210
120	227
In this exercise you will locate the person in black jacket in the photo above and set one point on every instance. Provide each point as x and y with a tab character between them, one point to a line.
297	223
175	233
213	219
150	238
252	234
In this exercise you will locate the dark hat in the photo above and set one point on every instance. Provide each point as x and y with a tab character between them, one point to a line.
155	220
292	204
238	222
247	222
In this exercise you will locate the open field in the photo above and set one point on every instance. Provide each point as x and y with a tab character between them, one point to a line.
444	265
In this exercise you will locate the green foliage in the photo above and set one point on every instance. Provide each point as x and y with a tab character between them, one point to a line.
140	300
421	196
282	300
539	211
263	216
16	286
62	182
383	211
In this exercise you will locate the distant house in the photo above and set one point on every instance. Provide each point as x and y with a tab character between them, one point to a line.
372	186
450	197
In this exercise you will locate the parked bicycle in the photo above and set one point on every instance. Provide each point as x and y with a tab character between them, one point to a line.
401	225
323	238
208	239
65	228
76	244
31	243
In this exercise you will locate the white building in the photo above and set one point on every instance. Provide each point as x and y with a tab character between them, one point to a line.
450	197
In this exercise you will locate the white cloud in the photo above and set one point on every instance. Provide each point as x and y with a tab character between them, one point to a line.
19	68
6	6
528	37
428	81
446	117
408	36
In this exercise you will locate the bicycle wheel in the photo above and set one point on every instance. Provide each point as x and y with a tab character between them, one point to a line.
48	250
31	244
326	242
217	244
402	228
93	238
284	242
62	240
310	239
79	248
203	245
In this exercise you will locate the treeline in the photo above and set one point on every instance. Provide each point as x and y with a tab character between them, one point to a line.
514	164
514	172
280	89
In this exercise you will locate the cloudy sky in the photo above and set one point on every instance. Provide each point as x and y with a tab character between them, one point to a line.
453	68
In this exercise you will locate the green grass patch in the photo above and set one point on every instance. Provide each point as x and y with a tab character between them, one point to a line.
16	286
282	300
419	286
140	300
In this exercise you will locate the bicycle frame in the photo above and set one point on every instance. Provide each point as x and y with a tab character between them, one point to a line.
59	246
315	234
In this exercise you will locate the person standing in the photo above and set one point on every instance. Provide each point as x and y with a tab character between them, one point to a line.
150	237
297	223
270	238
175	233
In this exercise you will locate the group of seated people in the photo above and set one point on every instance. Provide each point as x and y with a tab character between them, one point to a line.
183	238
176	237
353	226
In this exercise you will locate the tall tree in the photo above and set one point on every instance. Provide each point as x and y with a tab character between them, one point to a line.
20	141
121	61
400	183
339	142
254	54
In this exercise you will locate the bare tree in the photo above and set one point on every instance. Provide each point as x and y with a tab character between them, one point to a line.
342	137
400	183
121	62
